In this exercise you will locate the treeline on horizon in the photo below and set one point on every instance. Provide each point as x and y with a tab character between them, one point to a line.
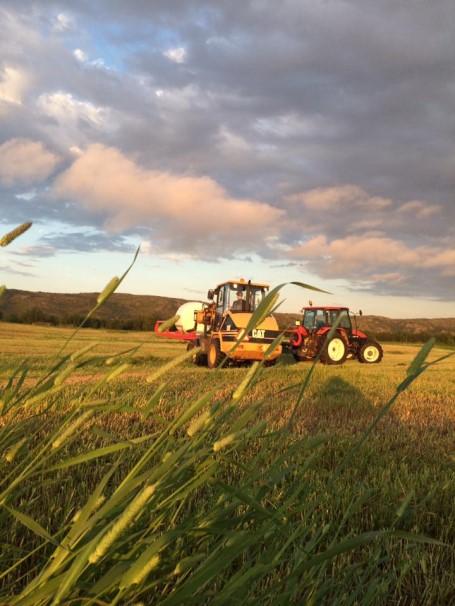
37	316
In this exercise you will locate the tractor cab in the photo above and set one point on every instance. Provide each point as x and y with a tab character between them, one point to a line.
237	297
316	318
310	338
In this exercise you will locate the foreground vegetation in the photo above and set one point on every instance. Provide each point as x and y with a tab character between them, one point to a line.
223	504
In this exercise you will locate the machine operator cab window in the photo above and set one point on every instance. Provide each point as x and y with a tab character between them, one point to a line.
314	318
245	298
319	318
345	320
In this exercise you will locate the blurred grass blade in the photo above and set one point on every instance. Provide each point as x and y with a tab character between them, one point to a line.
30	523
15	233
168	323
416	365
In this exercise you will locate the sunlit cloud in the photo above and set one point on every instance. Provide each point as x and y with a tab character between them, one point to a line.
185	211
23	161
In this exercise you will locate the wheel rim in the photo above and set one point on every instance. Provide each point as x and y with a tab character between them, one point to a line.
336	350
371	353
212	355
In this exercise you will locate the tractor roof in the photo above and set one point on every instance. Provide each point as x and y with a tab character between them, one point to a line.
325	308
242	282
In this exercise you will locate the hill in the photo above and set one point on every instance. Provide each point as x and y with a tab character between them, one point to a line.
139	312
123	311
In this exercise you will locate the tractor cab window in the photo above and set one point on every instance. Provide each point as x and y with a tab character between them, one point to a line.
314	318
345	321
308	319
333	316
245	298
257	295
222	301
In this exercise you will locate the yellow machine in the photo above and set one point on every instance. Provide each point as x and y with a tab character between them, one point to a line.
232	306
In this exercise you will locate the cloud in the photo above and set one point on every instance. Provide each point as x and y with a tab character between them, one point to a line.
23	161
36	250
350	209
420	209
334	198
188	213
63	23
17	272
350	255
13	84
177	55
80	55
64	108
377	259
350	142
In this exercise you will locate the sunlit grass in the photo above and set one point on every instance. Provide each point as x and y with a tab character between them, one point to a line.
406	460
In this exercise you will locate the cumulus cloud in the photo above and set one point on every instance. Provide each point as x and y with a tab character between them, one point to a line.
184	212
23	161
377	259
349	209
332	198
13	84
65	108
356	254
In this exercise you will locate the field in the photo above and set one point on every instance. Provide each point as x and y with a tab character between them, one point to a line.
401	477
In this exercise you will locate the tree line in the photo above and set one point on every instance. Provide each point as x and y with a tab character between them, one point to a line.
36	315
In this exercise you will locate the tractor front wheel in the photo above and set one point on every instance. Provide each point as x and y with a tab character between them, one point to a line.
334	352
198	358
370	353
214	356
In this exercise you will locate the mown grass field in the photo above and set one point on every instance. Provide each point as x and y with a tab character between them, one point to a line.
402	477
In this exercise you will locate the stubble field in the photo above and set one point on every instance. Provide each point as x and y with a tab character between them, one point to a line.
401	477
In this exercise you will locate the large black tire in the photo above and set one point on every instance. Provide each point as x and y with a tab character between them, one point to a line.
334	351
214	355
371	352
199	358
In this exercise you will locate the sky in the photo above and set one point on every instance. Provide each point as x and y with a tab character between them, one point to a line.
308	140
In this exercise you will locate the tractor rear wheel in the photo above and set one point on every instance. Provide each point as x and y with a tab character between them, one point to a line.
214	356
335	351
370	352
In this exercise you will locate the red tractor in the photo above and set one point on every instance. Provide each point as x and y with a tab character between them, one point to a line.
308	338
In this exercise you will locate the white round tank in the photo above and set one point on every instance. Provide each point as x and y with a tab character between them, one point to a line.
186	322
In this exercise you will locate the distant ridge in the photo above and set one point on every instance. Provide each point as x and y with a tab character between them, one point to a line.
139	312
123	311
